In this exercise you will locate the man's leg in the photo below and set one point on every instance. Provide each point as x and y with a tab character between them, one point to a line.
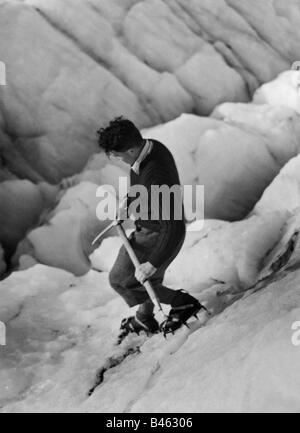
164	294
145	309
122	279
122	275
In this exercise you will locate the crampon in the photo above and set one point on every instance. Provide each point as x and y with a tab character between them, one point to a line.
179	316
133	324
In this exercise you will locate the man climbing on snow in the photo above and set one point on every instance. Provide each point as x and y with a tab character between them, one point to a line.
156	242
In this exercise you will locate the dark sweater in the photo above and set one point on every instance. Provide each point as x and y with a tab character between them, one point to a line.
159	168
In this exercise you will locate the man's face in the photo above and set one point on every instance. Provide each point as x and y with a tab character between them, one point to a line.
129	156
122	156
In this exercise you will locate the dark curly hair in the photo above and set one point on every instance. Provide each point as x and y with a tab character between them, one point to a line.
120	135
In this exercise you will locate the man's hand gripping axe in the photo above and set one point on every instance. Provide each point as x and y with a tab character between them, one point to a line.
122	234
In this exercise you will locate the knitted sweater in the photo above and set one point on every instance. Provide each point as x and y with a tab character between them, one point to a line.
159	168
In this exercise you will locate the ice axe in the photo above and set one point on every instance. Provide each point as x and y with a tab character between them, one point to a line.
122	234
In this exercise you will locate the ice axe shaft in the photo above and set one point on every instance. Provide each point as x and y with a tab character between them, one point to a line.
122	234
135	261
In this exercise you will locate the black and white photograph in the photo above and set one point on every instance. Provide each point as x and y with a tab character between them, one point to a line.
149	209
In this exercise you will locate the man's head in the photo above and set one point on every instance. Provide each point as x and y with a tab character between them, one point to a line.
121	139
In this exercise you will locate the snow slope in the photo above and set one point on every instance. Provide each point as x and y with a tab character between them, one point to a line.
281	92
244	358
60	330
283	193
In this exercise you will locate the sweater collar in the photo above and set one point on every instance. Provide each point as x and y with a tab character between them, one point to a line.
142	156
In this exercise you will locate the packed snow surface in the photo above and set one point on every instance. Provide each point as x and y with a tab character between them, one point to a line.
244	357
61	330
164	59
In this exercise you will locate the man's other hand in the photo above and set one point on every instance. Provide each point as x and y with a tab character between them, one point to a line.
144	271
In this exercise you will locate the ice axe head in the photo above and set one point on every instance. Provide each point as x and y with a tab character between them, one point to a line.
107	229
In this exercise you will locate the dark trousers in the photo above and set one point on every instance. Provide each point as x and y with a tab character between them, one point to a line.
122	275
